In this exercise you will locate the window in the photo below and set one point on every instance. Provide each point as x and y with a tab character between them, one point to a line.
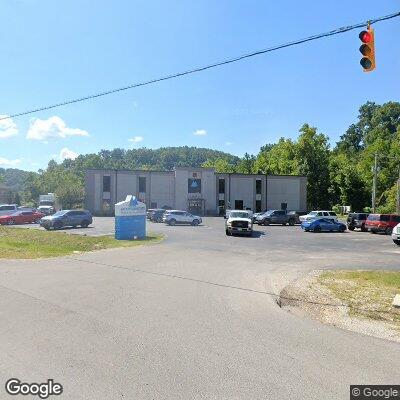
194	185
238	204
258	186
283	206
258	205
153	204
396	218
221	186
325	214
7	208
385	218
333	214
142	184
106	183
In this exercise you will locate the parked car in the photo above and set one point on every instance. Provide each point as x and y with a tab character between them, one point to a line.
382	223
396	234
282	217
148	213
356	220
67	218
7	209
322	225
240	222
47	210
175	217
21	217
319	214
157	215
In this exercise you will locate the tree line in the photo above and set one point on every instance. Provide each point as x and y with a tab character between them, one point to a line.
337	175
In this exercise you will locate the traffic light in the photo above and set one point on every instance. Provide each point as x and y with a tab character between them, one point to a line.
367	49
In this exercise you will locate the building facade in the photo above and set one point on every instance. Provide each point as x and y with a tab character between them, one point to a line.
198	190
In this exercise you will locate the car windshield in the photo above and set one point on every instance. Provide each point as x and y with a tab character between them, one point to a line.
60	213
239	214
313	213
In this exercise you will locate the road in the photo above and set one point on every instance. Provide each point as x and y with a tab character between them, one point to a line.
190	318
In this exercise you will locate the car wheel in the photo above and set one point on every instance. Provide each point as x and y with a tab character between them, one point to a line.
363	229
317	229
351	228
388	231
227	232
265	222
374	232
342	229
85	224
397	242
11	222
172	222
195	222
57	225
36	221
291	222
47	228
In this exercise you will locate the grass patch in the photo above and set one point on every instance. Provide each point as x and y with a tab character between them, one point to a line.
34	243
368	294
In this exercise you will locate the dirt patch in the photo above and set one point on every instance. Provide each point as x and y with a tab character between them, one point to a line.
317	295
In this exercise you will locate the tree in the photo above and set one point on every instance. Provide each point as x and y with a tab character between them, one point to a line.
312	153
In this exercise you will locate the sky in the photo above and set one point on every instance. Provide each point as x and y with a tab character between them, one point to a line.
58	50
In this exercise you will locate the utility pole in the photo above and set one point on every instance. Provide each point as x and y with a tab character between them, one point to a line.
398	195
374	183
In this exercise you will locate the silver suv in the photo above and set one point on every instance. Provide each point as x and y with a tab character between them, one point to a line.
175	217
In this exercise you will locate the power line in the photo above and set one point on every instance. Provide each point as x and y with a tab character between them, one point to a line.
203	68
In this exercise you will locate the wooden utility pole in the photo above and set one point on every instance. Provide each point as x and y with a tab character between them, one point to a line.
374	183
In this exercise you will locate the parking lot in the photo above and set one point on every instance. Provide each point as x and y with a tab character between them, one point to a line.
192	317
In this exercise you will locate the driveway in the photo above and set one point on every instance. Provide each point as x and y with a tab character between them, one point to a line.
190	318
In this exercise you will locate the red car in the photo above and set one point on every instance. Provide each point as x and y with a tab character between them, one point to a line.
21	217
382	223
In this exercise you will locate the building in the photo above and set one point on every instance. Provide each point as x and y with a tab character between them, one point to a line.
198	190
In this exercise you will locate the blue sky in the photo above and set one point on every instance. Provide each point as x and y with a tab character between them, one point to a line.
56	50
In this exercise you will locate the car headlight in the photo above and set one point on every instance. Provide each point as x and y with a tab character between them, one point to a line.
229	223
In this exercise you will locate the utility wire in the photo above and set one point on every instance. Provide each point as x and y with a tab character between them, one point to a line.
203	68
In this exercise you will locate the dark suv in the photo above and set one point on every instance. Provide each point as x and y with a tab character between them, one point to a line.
357	220
67	218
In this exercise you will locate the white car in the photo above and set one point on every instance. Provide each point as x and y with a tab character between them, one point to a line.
319	214
175	217
8	209
396	234
239	221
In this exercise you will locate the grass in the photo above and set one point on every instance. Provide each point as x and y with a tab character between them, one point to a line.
368	294
34	243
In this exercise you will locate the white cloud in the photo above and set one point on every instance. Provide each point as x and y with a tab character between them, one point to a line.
228	143
67	154
136	139
200	132
53	127
8	127
10	163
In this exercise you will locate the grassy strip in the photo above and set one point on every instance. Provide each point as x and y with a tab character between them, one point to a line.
34	243
368	294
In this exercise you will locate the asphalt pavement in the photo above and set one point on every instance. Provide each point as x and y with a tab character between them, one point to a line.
191	318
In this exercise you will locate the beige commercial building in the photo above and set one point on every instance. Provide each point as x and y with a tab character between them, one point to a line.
198	190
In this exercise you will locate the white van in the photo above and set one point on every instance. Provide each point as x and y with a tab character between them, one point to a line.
8	209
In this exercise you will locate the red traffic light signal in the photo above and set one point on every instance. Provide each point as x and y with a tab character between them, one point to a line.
367	49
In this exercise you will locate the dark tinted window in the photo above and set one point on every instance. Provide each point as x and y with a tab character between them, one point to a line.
258	205
106	183
194	185
258	186
385	218
27	213
142	184
396	218
7	208
332	213
221	185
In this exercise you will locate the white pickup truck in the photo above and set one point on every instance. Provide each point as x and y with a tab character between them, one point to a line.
240	222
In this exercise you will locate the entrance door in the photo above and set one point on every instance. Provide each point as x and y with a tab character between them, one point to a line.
238	204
